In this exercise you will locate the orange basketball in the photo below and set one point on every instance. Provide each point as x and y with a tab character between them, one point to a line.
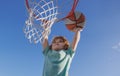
76	20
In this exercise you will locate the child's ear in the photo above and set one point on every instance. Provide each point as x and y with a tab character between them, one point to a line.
50	47
66	47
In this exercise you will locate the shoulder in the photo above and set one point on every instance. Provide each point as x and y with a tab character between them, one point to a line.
70	51
45	50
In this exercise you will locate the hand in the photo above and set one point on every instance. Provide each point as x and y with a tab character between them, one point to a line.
77	29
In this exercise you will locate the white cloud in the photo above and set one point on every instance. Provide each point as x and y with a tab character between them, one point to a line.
119	44
116	47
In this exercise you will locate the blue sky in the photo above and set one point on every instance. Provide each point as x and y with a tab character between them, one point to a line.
98	53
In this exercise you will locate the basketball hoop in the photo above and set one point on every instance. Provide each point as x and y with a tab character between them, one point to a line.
43	14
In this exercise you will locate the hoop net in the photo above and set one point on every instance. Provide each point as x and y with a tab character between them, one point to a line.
42	15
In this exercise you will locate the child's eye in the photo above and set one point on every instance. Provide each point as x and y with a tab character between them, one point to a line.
61	41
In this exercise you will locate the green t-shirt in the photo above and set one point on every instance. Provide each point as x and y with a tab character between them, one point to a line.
57	63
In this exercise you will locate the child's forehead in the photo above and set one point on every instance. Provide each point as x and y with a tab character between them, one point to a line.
58	39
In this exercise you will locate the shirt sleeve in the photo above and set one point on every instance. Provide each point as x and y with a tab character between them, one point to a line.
45	51
70	51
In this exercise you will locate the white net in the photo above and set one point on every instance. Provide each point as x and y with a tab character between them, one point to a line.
42	15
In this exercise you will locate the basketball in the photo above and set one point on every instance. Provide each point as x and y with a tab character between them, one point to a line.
76	20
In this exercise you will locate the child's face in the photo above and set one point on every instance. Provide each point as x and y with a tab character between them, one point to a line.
58	44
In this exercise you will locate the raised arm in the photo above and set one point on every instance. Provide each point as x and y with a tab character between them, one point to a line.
76	38
45	42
